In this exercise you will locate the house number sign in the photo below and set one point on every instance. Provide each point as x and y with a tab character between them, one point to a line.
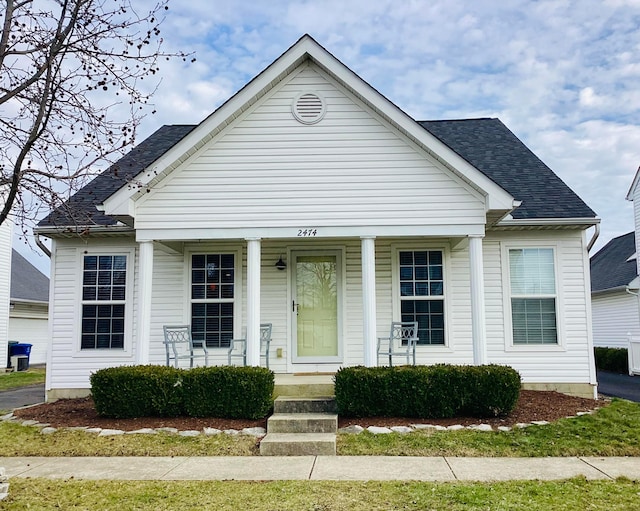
309	232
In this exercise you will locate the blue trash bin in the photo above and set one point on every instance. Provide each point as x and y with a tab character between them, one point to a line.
20	349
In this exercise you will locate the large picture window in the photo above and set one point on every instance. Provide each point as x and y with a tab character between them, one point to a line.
104	279
422	293
212	298
533	296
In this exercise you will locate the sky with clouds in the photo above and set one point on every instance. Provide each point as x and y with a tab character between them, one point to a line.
563	75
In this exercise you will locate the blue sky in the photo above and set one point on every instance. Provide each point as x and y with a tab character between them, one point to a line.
563	75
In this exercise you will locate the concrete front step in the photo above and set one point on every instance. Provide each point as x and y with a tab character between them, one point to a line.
294	404
298	444
302	423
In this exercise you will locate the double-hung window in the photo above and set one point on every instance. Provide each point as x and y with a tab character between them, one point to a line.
533	296
212	298
422	293
104	279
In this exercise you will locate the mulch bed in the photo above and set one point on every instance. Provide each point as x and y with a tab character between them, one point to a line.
532	406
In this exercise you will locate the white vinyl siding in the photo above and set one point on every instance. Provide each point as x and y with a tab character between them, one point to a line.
567	362
636	214
5	285
268	170
68	367
28	323
615	316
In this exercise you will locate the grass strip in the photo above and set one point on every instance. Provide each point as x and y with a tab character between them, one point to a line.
21	378
568	495
611	431
18	440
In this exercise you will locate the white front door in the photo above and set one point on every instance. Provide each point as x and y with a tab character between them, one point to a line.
316	286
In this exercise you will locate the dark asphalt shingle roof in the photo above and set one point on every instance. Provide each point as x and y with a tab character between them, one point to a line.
495	151
27	282
485	143
80	209
610	267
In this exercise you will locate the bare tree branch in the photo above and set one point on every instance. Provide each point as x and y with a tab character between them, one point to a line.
70	94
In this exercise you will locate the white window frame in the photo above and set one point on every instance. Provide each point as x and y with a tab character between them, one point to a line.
106	353
395	288
238	304
506	294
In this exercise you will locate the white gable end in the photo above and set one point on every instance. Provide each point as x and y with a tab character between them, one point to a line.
269	170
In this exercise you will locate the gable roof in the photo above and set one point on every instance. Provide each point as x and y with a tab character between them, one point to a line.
461	146
610	267
27	282
494	150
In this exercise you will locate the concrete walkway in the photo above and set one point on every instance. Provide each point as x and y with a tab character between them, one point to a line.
317	468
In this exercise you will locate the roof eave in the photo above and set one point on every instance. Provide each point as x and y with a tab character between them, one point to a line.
549	222
634	185
67	231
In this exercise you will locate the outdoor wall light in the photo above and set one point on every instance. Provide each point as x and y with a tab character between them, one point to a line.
280	264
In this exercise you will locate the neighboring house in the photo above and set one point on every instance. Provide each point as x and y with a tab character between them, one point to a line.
29	310
377	217
5	279
614	293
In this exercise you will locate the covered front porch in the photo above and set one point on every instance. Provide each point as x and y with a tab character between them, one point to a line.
328	299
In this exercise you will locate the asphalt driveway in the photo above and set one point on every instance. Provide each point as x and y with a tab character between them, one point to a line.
619	385
23	396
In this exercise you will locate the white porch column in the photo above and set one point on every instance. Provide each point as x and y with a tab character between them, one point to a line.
253	301
368	249
478	320
145	281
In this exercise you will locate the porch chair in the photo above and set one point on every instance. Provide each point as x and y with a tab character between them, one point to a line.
402	341
238	347
179	345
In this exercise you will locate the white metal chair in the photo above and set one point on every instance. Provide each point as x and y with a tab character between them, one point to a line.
402	341
238	347
179	345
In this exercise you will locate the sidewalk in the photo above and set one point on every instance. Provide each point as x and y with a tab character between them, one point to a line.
317	468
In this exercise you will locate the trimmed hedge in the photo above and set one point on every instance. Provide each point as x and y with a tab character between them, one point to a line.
438	391
159	391
612	359
228	392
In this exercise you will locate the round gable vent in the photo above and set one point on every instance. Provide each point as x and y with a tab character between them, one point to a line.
308	107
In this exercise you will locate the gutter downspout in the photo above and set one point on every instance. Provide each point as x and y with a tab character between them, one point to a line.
594	238
42	246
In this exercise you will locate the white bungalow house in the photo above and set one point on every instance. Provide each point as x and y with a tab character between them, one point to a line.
376	217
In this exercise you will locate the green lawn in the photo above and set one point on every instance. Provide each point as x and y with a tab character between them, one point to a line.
574	494
612	431
21	379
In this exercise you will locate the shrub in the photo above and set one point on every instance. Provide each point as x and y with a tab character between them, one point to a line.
612	359
143	391
437	391
228	392
137	391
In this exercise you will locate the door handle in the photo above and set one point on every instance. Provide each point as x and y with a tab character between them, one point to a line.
294	306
